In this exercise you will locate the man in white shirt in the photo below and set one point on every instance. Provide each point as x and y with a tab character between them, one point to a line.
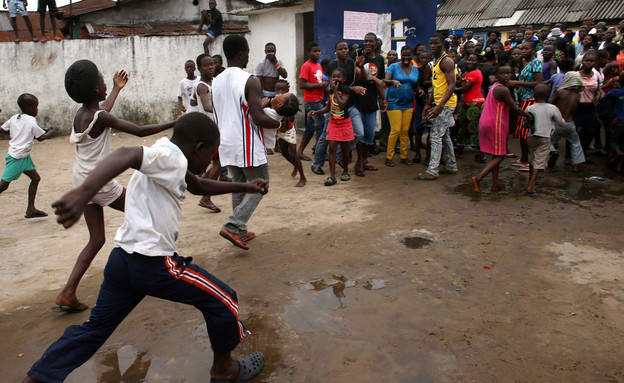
237	101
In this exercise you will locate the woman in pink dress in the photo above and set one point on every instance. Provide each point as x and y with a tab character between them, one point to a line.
494	126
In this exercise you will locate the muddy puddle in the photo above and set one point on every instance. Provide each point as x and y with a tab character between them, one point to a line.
564	189
315	303
128	363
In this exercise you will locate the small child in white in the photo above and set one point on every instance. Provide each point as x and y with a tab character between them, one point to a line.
186	90
545	117
22	128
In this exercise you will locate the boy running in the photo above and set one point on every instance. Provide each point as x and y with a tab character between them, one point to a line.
144	261
22	128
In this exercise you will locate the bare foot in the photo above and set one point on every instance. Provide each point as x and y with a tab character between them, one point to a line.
475	183
301	183
496	188
293	174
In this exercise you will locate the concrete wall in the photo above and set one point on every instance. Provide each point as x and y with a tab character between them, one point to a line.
282	27
163	12
154	64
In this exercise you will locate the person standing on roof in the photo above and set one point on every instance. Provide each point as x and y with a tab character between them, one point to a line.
52	9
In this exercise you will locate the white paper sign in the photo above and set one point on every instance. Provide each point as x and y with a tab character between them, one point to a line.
358	24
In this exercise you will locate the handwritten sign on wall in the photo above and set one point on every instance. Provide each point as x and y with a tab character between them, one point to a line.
358	24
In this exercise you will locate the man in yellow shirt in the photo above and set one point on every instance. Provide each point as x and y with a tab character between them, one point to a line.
443	81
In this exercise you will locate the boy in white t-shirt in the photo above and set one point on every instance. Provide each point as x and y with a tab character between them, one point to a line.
186	90
22	128
144	260
545	116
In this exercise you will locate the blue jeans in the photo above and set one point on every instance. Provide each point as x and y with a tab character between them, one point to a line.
320	153
440	137
128	278
314	123
369	120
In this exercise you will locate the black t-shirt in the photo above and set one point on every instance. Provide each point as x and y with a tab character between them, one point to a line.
215	15
486	70
375	67
348	69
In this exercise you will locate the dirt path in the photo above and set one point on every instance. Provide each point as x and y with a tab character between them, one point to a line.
377	279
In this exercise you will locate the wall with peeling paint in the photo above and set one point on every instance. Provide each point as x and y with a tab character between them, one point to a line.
155	66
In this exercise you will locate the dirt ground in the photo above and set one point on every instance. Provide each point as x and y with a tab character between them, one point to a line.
379	279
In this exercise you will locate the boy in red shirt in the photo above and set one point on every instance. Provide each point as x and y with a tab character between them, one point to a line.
314	88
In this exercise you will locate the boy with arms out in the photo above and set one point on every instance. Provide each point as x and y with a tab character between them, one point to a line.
144	261
91	133
22	128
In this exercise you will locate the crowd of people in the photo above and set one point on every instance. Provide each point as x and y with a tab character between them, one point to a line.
466	92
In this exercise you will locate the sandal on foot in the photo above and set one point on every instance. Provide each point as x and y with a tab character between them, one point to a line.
425	177
37	214
445	170
249	367
531	194
370	168
518	163
406	161
389	163
330	181
525	168
303	157
209	206
77	308
345	177
360	173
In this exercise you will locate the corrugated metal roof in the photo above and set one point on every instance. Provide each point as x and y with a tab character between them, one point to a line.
455	14
88	6
6	30
98	31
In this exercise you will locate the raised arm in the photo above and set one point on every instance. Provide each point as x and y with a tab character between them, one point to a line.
69	208
120	79
253	94
108	120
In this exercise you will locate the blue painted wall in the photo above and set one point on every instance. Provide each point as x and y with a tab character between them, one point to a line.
329	18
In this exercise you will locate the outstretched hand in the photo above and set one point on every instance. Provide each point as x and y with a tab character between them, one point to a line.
120	79
69	208
257	186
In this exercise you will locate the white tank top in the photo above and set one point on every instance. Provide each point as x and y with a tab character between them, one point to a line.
200	105
241	140
89	152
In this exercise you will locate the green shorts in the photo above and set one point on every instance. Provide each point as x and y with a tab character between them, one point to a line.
15	167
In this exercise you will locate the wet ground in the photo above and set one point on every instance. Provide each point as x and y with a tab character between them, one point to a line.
381	278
